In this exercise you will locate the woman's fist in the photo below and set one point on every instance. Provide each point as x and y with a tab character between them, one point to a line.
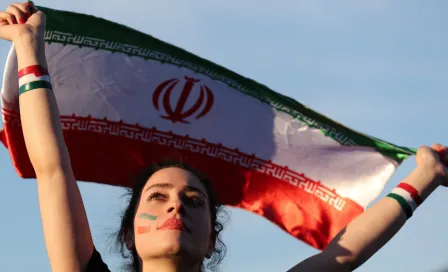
21	19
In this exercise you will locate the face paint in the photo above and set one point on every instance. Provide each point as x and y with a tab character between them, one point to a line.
141	230
147	216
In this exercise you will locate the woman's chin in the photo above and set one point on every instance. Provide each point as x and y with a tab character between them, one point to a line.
172	242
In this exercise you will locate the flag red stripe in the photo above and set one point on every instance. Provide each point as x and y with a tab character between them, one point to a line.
115	160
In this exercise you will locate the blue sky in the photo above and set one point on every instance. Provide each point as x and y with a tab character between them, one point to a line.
376	66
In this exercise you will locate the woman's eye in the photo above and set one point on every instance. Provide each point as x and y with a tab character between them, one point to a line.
196	201
157	196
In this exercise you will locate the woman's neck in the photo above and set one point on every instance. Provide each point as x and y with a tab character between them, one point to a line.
169	265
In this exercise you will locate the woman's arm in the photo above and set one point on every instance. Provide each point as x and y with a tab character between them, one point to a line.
370	231
66	230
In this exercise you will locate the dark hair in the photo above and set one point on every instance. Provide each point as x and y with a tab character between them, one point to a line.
126	231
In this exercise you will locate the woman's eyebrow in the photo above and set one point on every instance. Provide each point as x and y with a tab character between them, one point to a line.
187	188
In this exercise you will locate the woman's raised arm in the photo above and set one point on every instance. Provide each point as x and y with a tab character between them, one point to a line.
370	231
66	230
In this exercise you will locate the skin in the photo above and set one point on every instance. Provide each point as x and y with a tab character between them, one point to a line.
66	229
174	193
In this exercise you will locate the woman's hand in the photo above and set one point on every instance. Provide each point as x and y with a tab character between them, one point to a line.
22	20
434	159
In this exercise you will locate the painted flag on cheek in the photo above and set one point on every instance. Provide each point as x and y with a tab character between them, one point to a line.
127	100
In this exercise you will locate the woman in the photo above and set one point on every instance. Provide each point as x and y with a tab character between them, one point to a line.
171	221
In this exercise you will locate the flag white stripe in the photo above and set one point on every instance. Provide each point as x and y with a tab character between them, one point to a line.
238	120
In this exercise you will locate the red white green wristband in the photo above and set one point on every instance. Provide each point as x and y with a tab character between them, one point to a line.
33	77
408	198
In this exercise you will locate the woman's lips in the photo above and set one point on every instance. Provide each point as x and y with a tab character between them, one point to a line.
173	224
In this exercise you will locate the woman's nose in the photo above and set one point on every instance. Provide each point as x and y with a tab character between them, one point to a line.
176	207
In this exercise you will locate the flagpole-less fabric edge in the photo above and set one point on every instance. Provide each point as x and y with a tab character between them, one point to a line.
76	24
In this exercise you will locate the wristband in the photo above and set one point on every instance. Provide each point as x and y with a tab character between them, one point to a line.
33	77
408	198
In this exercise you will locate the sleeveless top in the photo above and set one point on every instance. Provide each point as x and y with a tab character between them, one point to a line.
96	263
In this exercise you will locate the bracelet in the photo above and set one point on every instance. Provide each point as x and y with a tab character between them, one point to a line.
408	198
33	77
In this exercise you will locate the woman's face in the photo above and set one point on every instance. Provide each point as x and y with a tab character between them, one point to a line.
173	217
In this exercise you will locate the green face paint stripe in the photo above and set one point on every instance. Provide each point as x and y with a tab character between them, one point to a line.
147	216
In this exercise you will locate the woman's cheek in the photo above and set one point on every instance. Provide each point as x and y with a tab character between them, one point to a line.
205	220
144	221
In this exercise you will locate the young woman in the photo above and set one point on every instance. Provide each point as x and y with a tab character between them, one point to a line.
171	221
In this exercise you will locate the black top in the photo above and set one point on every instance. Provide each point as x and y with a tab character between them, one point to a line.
96	264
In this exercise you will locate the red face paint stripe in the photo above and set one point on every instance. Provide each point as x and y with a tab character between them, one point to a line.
141	230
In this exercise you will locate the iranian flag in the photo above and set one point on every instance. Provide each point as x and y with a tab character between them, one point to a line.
128	99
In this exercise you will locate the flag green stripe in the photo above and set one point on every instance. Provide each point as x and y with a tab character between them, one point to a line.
90	26
404	205
34	85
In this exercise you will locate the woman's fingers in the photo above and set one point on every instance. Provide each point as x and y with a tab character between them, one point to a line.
31	7
7	19
441	151
20	11
21	18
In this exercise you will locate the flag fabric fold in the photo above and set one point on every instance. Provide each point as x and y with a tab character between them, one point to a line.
127	100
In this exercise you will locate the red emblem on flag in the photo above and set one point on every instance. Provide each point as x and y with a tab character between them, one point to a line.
180	113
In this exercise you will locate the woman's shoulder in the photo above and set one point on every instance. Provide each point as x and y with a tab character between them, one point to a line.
96	263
